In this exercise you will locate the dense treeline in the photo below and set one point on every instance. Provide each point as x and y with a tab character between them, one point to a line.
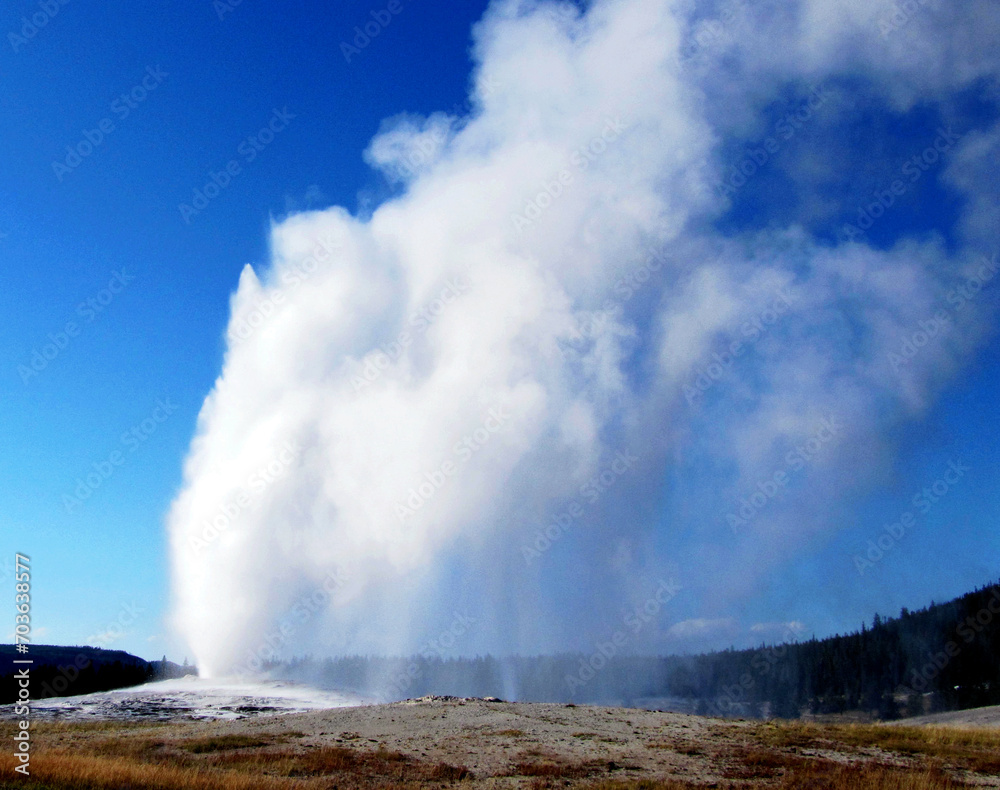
943	657
58	671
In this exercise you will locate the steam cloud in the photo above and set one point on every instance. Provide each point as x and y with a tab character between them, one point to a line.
529	335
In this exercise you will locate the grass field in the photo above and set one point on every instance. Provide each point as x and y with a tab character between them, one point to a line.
787	755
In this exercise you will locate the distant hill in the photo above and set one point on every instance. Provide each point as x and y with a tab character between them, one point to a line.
943	657
60	671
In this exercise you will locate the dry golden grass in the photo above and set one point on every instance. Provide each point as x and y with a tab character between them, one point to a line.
735	756
867	777
964	748
56	771
756	763
221	743
361	768
643	784
680	746
835	778
544	763
227	762
876	757
597	737
792	733
827	777
544	769
7	728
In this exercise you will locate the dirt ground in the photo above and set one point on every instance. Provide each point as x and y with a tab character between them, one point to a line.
474	743
490	738
974	717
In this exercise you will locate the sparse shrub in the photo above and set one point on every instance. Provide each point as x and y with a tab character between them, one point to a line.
220	743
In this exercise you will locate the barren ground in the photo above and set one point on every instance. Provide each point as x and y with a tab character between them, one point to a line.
480	744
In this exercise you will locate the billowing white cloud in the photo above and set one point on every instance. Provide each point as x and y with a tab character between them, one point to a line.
782	631
700	627
520	335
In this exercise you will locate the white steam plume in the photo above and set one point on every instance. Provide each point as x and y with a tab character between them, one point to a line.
405	398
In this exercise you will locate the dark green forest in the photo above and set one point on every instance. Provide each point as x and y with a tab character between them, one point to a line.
943	657
58	671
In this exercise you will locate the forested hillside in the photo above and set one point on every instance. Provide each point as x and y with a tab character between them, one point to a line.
942	657
60	671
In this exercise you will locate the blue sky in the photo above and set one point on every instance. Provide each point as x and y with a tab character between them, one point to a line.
100	259
162	336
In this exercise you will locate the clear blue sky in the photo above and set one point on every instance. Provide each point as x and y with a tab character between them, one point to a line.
154	350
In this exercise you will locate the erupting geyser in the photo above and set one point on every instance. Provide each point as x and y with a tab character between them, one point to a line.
410	399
